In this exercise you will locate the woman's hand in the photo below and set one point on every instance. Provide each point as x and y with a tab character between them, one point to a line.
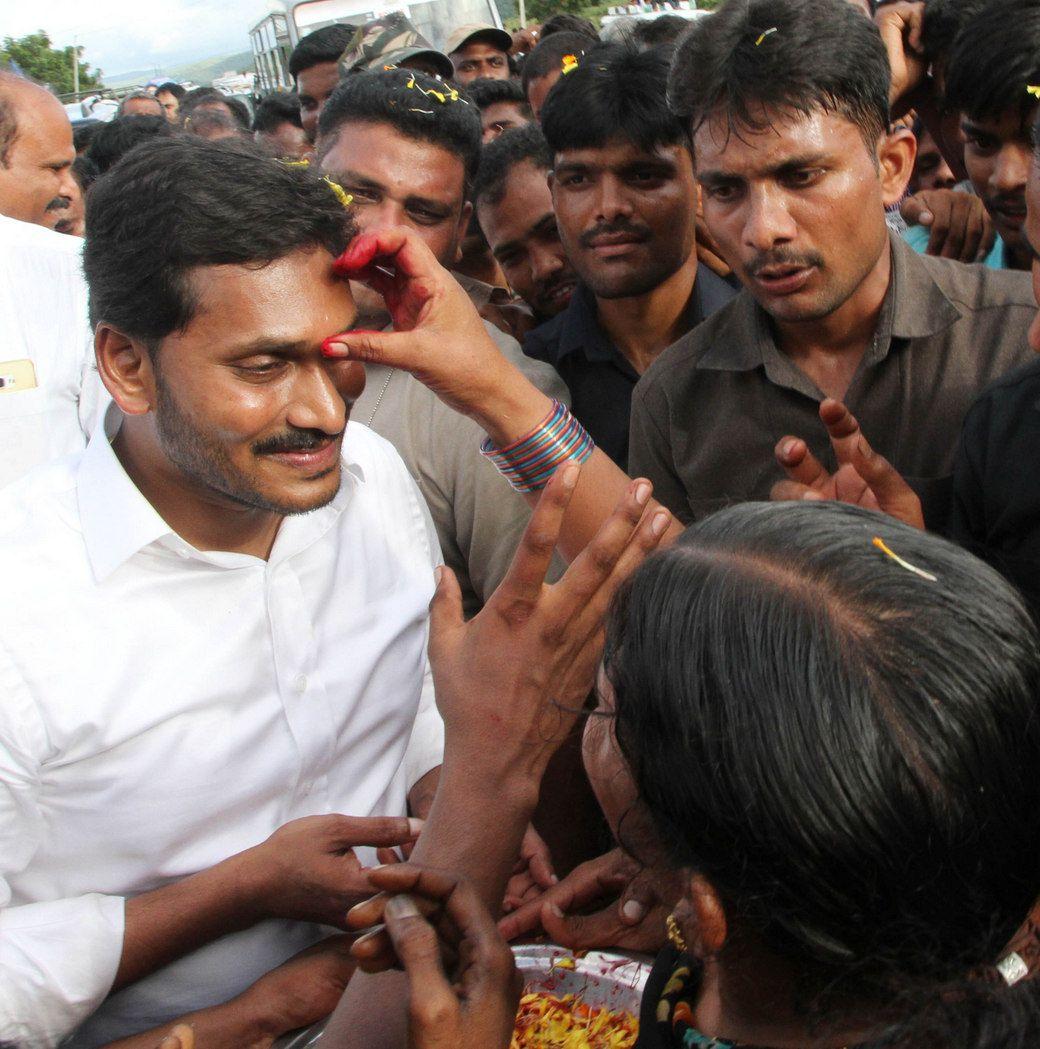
463	987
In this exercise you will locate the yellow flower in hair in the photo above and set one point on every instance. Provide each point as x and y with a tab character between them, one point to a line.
341	194
1034	90
570	63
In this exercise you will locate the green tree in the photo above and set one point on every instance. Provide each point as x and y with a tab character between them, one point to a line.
539	10
49	65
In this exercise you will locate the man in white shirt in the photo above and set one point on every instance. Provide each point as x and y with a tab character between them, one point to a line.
36	155
213	625
49	386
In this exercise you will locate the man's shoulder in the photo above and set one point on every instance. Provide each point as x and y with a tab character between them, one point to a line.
28	236
975	286
1010	395
679	361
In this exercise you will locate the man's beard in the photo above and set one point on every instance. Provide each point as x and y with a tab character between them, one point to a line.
207	463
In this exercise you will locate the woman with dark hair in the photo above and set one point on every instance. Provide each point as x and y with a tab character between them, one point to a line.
823	725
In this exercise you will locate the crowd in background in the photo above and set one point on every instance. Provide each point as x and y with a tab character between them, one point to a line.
574	484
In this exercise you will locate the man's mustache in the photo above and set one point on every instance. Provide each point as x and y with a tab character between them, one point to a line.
59	204
783	257
294	441
607	229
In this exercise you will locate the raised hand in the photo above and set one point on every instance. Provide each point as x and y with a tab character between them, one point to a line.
634	903
307	870
960	225
863	477
900	27
533	873
463	985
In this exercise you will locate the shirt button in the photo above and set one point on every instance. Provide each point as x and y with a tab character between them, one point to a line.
300	684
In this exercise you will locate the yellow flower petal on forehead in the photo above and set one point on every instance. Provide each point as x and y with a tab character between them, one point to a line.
341	194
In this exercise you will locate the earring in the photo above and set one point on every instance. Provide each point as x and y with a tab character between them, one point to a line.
675	936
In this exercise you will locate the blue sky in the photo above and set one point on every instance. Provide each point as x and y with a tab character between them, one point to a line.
122	35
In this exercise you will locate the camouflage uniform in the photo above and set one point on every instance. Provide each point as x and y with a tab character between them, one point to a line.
390	41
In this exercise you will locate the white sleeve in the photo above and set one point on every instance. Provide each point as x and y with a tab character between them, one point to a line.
58	958
426	743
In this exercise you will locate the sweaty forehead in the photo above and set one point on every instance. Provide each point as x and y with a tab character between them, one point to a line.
401	165
725	147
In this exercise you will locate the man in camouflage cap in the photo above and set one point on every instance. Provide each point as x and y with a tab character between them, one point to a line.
393	41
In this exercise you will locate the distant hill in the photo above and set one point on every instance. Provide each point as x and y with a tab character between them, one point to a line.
201	72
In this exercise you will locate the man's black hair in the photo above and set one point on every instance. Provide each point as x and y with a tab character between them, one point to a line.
180	203
943	20
323	45
276	109
85	171
415	111
995	58
209	96
566	23
83	133
116	138
487	91
749	62
664	29
501	155
173	88
547	56
615	92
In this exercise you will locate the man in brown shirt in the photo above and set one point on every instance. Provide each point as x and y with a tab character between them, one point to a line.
796	162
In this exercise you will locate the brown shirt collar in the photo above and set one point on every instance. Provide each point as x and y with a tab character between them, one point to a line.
915	306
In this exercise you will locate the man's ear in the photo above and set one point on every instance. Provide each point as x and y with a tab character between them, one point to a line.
465	214
896	153
126	369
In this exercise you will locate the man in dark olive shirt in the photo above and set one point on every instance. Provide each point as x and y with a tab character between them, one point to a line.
625	202
797	161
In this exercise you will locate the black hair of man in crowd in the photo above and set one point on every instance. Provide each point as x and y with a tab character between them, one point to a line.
943	20
83	134
616	92
805	68
173	88
485	92
207	204
498	159
323	45
661	31
116	138
544	65
85	171
276	109
567	23
210	98
386	98
502	104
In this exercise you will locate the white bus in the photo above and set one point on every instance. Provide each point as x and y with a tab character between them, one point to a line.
274	37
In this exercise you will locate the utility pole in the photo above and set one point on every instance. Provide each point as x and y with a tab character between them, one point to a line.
523	13
75	67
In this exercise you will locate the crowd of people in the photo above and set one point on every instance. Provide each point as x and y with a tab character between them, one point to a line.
567	484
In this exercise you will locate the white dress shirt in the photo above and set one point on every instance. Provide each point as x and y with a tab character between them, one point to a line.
43	319
162	708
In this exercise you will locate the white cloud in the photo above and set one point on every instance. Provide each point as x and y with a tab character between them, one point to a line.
119	35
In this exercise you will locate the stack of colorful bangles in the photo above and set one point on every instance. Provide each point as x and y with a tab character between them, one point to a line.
528	463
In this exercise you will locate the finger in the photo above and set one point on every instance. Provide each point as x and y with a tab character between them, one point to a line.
947	230
446	615
387	856
522	585
181	1037
541	869
842	428
591	569
800	465
916	26
792	492
916	211
580	932
392	348
973	230
396	247
636	901
893	494
431	1000
373	831
989	238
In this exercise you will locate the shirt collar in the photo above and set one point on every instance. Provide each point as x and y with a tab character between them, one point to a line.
118	521
915	307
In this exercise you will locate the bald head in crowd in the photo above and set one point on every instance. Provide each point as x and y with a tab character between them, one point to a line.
36	155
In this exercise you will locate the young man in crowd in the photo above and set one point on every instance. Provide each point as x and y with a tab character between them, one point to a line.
625	201
141	104
36	154
278	128
479	51
515	209
833	305
240	583
415	169
994	63
169	96
314	66
544	65
502	106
